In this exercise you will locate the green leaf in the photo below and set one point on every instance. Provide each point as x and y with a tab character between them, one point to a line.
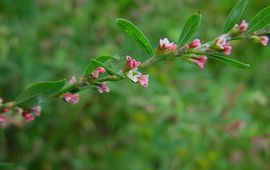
235	15
135	33
39	92
190	28
109	70
226	60
261	20
103	59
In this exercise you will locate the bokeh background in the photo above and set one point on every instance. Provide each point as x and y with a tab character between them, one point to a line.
216	118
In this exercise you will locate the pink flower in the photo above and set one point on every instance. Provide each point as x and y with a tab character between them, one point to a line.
72	80
227	49
2	119
5	110
132	63
36	110
195	43
71	98
103	88
199	61
97	72
143	80
221	42
28	117
165	44
264	40
243	26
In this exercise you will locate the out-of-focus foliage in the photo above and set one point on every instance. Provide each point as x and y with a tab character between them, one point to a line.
185	119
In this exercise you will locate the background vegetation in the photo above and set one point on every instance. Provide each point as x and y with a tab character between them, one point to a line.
186	118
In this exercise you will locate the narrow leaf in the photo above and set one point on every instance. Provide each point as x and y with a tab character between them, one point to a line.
261	20
226	60
190	28
103	59
135	33
235	15
38	92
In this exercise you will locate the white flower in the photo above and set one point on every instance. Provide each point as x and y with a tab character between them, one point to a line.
134	75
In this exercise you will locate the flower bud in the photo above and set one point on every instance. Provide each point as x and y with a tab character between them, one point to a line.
71	98
97	72
195	43
28	117
72	80
143	80
36	110
166	46
102	88
199	61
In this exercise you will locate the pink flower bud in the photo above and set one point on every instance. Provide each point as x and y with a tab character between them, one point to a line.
143	80
72	80
243	26
71	98
132	63
28	117
101	70
2	119
264	40
36	110
227	49
199	61
103	88
5	110
97	72
172	47
195	43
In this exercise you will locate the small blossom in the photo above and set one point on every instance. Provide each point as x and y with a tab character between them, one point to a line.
264	40
103	88
2	119
227	49
72	80
134	75
28	117
132	63
199	61
143	80
195	43
243	26
97	72
165	44
221	42
71	98
36	110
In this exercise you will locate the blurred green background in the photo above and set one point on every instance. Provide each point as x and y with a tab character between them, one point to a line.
186	119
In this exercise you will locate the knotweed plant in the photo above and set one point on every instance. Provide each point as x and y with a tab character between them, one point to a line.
27	105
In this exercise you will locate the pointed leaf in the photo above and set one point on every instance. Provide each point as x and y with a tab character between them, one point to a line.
190	28
226	60
135	33
235	15
38	92
261	20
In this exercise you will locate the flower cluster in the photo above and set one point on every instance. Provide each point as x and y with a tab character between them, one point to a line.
28	114
133	74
